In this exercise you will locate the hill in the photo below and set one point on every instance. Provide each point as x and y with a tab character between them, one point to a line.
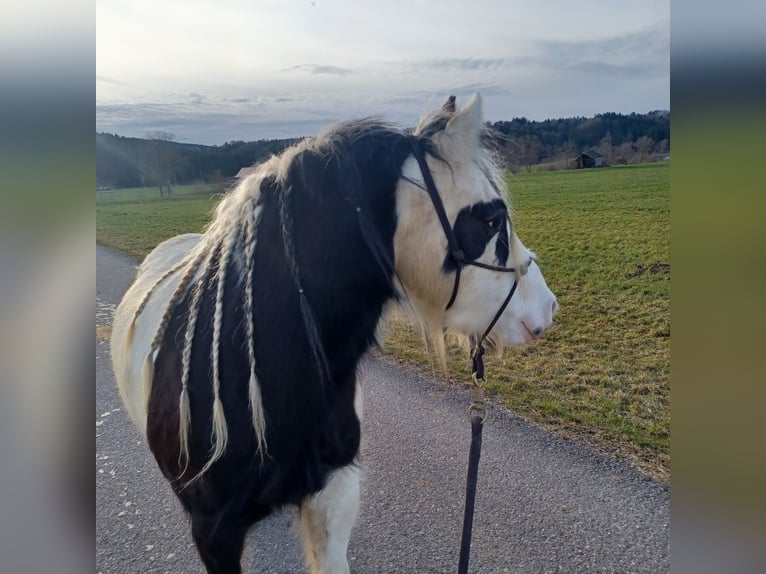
134	162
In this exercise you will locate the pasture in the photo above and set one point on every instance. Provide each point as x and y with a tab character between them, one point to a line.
134	221
601	374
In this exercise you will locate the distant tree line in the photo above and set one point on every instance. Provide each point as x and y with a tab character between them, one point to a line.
618	138
159	161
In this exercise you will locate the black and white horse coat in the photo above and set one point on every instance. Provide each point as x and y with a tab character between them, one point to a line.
236	350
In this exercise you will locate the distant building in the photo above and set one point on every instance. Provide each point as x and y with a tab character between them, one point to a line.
245	171
589	159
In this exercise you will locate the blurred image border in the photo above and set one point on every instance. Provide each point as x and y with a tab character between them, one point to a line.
47	287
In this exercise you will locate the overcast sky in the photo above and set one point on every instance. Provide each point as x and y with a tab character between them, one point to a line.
217	71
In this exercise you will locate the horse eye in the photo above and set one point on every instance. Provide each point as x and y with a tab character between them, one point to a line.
495	223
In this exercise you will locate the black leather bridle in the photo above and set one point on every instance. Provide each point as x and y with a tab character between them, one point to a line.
454	251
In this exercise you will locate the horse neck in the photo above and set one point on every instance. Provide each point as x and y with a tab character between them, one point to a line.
344	257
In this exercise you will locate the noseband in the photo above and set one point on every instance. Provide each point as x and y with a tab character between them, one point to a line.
454	251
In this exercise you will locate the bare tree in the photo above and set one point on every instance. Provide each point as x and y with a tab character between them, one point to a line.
521	152
509	155
605	148
570	151
531	146
161	159
624	153
644	145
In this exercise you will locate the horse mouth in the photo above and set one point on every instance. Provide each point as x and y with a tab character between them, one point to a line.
529	335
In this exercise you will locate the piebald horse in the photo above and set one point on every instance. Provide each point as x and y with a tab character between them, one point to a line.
236	350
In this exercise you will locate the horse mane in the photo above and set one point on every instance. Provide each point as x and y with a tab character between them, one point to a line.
228	244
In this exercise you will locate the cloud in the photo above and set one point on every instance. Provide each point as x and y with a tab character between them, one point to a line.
643	53
486	89
627	69
320	70
623	73
220	120
456	64
108	80
197	98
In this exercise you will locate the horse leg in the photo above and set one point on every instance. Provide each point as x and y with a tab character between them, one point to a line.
326	520
220	541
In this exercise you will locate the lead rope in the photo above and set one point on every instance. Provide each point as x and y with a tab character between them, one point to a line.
477	414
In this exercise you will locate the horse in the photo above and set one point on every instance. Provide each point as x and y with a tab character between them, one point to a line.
236	350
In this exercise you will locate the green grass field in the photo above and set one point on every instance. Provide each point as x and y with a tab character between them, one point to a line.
136	220
601	374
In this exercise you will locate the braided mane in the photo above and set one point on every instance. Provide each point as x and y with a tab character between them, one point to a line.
230	236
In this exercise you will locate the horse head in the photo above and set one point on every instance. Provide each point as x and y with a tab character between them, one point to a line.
457	277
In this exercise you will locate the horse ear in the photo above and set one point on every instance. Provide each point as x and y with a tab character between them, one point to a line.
449	105
466	123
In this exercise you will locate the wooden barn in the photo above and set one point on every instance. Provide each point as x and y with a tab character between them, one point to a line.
589	159
245	171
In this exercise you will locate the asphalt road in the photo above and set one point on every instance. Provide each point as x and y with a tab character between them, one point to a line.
543	504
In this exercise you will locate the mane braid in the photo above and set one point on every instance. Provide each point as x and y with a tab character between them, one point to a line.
149	293
148	370
254	390
184	407
309	322
220	431
374	244
229	230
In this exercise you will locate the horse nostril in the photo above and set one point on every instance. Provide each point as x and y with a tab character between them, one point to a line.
537	332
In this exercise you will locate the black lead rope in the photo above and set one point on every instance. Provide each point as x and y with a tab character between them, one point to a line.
477	425
477	411
477	415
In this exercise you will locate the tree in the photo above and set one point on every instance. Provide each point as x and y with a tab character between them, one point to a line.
161	159
570	151
644	146
523	151
531	146
624	153
605	148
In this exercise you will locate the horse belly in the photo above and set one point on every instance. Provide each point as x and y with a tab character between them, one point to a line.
129	352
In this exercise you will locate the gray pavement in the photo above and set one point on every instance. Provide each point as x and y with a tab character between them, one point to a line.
543	504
